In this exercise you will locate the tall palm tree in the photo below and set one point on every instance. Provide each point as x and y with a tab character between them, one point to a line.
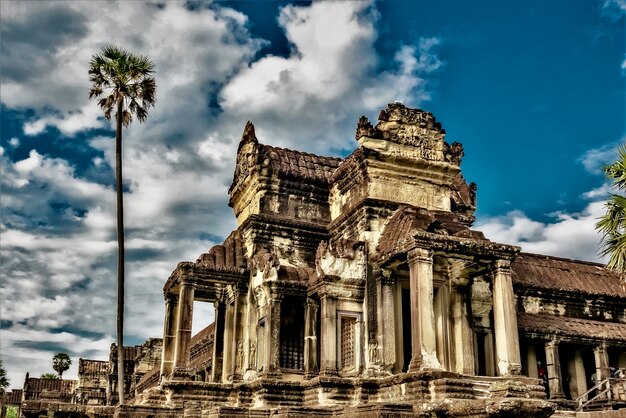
123	82
612	224
60	363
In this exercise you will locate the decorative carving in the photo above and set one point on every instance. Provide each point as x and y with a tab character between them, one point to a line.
252	358
264	261
454	153
345	259
482	301
364	128
473	188
405	126
374	351
260	296
239	362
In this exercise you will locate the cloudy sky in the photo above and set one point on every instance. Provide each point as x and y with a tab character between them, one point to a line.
534	90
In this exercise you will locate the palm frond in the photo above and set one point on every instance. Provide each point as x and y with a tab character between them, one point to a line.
120	74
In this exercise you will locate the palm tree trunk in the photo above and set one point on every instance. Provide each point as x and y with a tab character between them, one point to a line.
120	251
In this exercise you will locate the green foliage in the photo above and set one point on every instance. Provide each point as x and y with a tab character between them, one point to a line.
12	411
60	363
4	380
612	224
48	376
117	74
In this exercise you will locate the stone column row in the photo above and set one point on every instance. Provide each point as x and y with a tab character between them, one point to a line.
177	329
423	337
311	368
508	360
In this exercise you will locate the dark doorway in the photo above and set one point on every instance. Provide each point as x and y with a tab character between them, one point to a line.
406	328
292	333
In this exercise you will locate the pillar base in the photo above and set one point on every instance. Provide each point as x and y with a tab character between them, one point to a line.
415	365
272	374
329	372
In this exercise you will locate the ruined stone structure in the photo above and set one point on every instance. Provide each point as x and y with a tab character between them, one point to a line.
357	287
96	384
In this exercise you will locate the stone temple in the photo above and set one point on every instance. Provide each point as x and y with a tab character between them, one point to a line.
357	287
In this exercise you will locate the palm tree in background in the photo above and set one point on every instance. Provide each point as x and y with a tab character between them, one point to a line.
124	83
612	224
60	363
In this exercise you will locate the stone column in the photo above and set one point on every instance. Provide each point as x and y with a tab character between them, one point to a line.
490	358
505	321
228	341
602	365
311	368
185	315
577	376
531	358
462	332
553	365
237	366
272	338
423	341
169	335
387	320
218	342
328	352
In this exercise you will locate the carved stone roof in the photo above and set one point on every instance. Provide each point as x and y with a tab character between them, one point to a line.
14	397
229	255
571	327
150	379
564	274
252	156
297	164
86	366
401	227
202	347
34	387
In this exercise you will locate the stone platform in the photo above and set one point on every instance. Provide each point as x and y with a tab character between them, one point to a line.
422	394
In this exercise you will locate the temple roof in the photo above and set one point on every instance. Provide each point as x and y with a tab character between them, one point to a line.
202	347
297	164
571	327
86	366
564	274
407	220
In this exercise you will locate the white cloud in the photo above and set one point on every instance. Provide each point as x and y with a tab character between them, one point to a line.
312	98
570	235
58	226
595	159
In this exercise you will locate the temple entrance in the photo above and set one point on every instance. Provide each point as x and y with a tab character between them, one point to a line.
406	328
292	334
484	356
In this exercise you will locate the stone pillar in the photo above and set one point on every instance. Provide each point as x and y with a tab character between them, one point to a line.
602	365
311	368
387	321
505	321
423	341
553	365
218	342
228	342
328	352
272	338
185	315
531	358
169	335
237	354
463	336
577	376
490	358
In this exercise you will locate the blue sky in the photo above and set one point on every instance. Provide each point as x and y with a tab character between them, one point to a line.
533	89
